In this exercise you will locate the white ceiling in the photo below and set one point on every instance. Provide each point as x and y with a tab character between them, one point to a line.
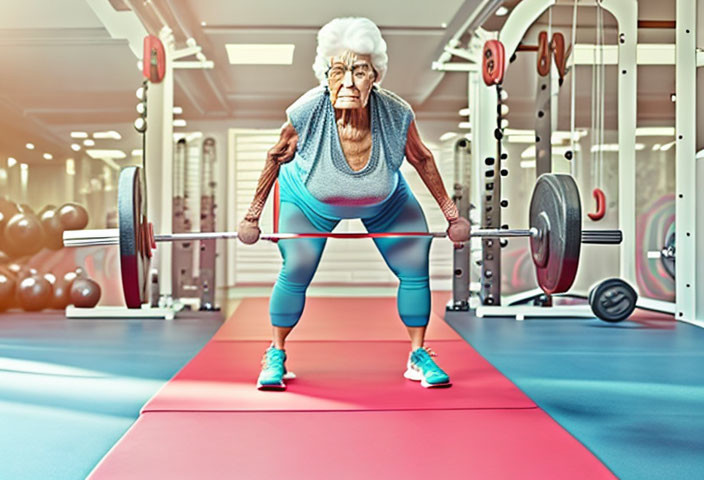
62	71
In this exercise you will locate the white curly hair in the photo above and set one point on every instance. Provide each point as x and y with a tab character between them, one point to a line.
357	34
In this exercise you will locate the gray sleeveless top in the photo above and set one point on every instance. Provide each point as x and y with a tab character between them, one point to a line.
319	162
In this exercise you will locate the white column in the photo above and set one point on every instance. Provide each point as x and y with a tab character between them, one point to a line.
626	14
688	200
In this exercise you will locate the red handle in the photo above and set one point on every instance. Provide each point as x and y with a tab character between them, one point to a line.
544	58
558	48
600	205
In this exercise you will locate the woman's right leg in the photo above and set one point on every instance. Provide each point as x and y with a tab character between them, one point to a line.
300	261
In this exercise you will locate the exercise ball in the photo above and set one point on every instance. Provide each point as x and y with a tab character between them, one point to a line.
61	295
85	293
34	293
24	235
73	216
53	229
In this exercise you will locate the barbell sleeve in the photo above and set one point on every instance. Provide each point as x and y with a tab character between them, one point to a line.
602	237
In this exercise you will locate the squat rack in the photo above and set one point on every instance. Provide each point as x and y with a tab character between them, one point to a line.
689	304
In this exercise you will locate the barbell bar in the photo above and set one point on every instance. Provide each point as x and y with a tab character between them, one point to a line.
111	236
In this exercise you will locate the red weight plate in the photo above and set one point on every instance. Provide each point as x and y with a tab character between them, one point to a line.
153	59
132	221
556	212
493	62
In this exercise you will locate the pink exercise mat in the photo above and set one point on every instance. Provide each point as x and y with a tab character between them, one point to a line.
334	376
427	444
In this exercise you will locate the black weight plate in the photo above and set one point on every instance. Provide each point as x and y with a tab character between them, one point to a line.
556	211
132	221
668	261
613	300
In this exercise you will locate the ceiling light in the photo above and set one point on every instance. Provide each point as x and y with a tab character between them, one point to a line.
75	147
655	132
527	163
89	142
465	112
48	156
103	154
673	97
260	54
504	122
504	95
464	125
11	162
504	109
137	152
30	146
656	147
501	11
203	24
179	122
178	110
447	136
79	134
613	147
109	135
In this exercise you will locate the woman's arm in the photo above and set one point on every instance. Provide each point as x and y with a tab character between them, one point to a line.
282	152
422	160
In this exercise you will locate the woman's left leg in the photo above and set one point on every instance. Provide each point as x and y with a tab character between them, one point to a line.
408	258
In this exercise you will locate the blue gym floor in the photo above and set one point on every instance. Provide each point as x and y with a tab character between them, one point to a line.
69	389
633	393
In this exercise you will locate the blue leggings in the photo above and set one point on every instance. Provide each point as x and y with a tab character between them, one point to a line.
407	257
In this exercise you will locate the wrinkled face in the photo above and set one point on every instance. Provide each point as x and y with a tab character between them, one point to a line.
350	79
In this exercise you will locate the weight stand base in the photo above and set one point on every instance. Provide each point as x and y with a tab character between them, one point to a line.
521	312
120	312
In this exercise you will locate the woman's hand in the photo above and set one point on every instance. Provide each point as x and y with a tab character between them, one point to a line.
458	231
248	231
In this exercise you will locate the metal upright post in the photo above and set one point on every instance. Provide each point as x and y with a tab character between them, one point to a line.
689	200
461	253
483	102
159	152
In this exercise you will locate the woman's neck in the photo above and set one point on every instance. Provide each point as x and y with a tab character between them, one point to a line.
352	124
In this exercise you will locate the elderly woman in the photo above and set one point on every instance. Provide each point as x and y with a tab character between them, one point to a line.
339	157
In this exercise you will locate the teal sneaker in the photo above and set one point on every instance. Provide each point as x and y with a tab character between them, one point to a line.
273	370
422	368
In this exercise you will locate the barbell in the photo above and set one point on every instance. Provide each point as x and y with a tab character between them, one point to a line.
555	234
